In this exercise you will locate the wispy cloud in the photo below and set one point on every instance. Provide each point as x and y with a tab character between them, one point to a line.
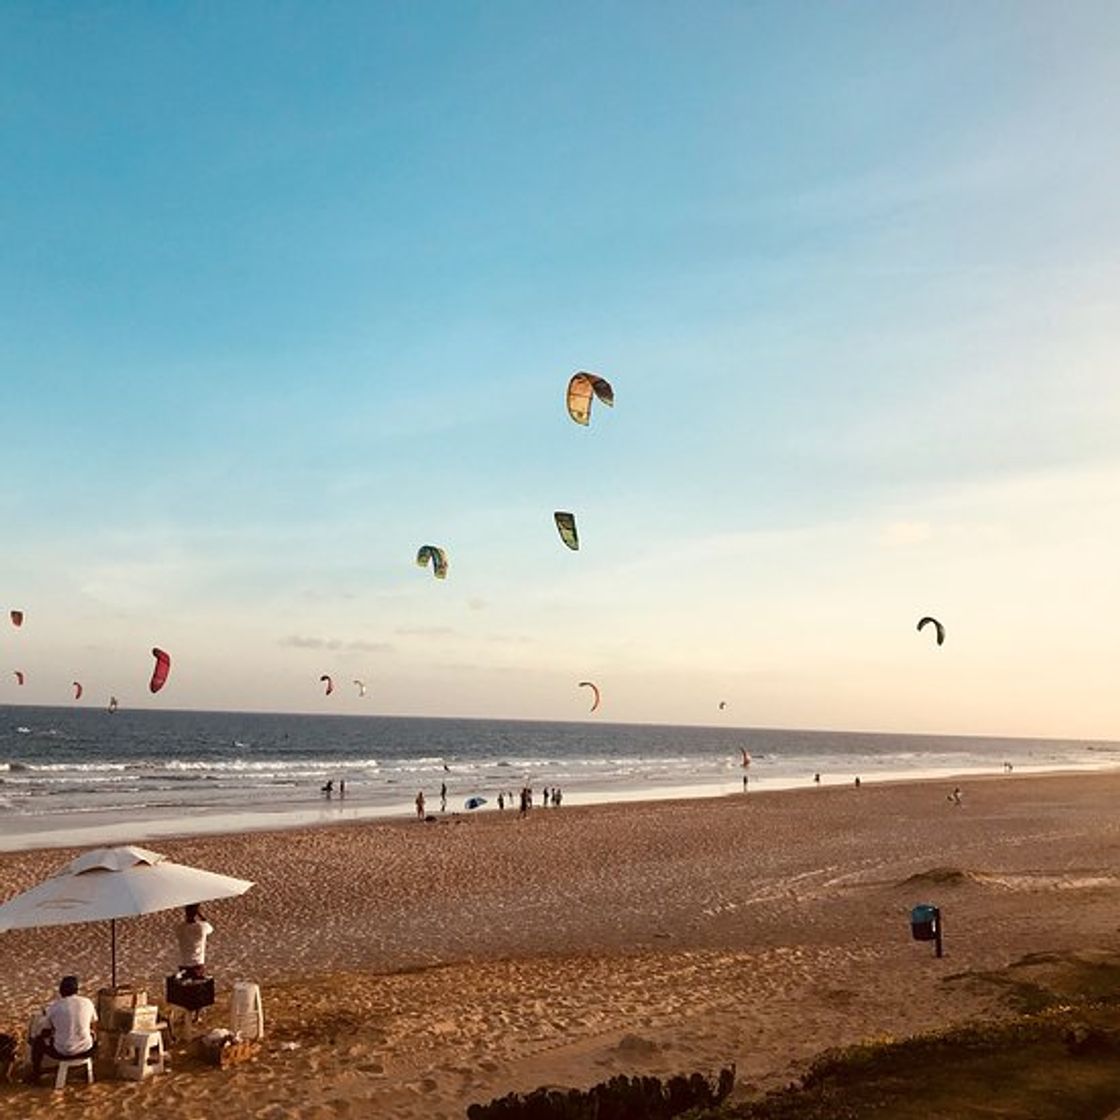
359	645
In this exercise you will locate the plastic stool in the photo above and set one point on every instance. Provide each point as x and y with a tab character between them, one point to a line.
65	1065
140	1054
245	1010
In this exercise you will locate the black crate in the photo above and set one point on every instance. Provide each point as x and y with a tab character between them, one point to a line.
193	995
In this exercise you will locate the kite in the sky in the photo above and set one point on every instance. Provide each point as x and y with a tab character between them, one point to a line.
722	705
937	625
566	524
361	687
19	676
329	683
438	558
77	689
595	691
159	673
16	617
582	389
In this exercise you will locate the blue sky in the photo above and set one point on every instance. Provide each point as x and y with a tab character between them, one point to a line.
288	290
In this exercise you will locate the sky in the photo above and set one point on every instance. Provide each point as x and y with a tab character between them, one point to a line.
288	291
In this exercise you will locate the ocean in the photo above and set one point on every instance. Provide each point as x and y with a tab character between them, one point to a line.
72	776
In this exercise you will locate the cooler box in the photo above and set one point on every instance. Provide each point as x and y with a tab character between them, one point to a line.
923	922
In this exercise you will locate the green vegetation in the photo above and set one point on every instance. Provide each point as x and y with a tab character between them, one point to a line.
1055	1056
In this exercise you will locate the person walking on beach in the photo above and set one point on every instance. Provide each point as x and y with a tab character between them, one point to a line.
501	801
443	797
857	783
955	796
328	788
420	805
191	934
745	781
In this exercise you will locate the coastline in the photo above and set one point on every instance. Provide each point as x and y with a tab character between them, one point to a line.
106	828
486	953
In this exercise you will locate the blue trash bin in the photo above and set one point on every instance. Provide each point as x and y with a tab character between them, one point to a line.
923	921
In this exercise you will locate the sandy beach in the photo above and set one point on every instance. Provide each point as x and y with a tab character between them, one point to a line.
409	969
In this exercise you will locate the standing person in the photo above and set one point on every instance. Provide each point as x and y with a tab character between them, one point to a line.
501	800
857	783
817	778
420	805
745	780
443	797
70	1031
191	934
341	787
557	797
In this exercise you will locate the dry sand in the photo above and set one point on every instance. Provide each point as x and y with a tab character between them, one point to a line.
420	967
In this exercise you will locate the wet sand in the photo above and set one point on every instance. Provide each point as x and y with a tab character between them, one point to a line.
417	967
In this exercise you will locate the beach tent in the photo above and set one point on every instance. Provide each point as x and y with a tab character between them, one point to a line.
110	883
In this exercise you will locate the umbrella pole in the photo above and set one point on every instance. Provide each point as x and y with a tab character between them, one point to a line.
113	928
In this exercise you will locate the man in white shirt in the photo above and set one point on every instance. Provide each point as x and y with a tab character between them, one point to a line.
70	1029
191	935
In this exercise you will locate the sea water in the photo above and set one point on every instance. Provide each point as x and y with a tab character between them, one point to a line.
79	775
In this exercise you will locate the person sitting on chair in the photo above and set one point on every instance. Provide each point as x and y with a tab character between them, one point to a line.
70	1031
192	933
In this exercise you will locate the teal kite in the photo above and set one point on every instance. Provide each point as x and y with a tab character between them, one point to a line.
438	558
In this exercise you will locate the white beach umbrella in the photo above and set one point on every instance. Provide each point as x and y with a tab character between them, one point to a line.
111	883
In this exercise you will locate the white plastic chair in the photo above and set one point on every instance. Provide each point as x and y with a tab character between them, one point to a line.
65	1065
140	1054
245	1010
